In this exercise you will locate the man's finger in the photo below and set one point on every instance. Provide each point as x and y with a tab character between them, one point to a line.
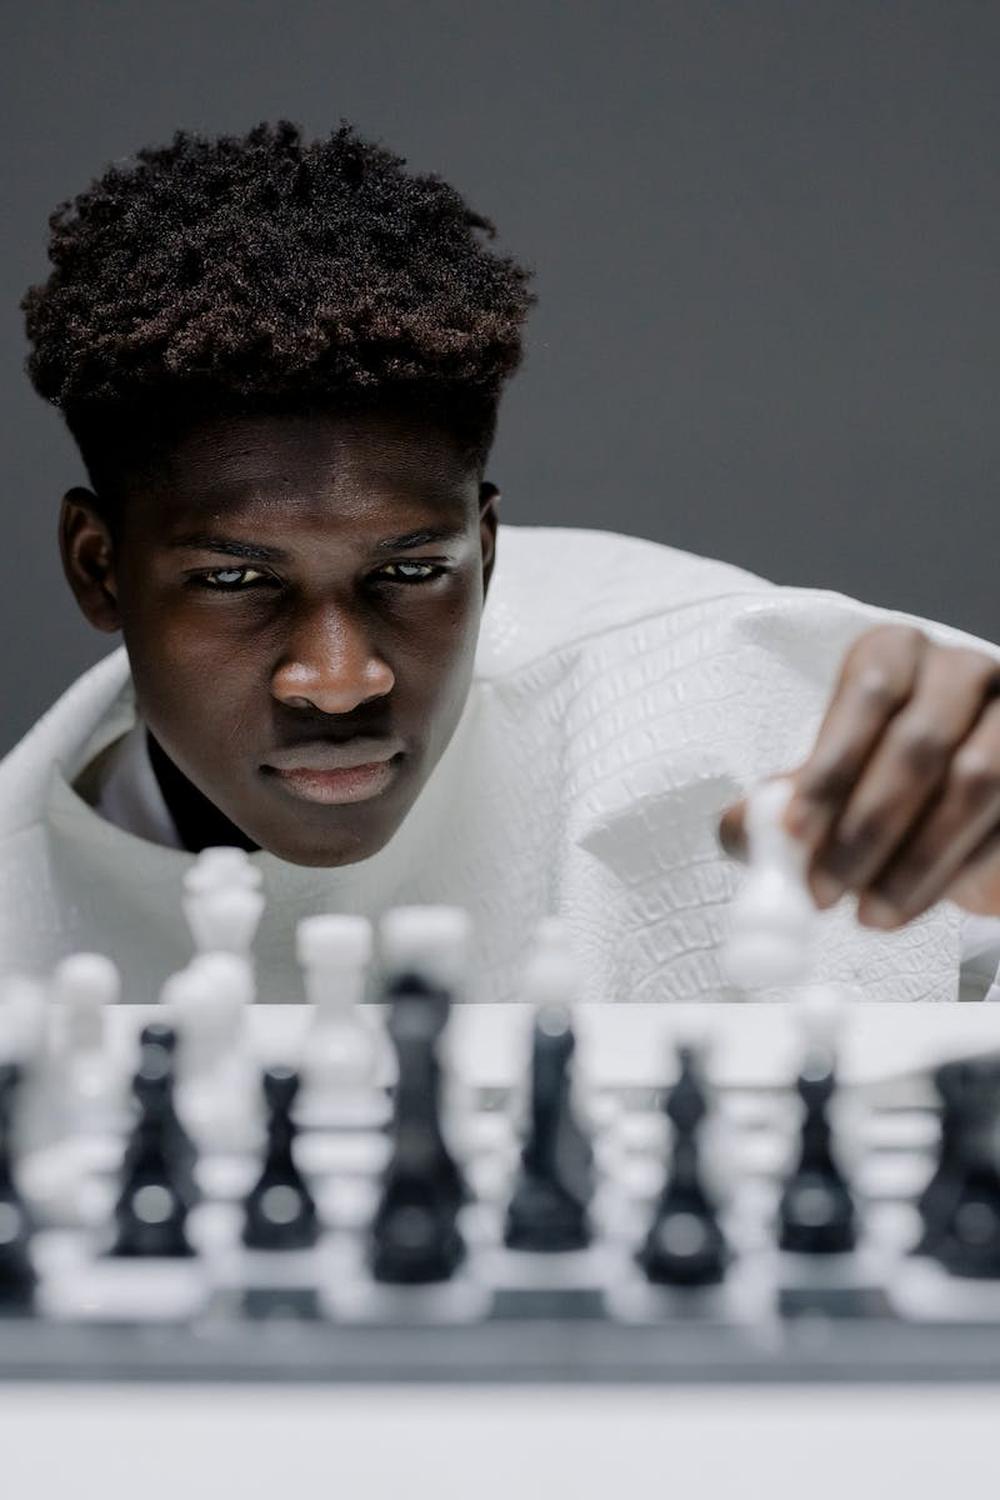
912	760
732	830
876	680
965	814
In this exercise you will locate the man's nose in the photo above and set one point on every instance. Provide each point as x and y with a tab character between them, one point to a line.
331	664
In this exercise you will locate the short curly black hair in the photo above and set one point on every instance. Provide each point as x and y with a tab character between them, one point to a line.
265	273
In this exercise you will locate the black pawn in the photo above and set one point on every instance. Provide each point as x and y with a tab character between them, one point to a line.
17	1276
280	1213
816	1214
414	1234
151	1212
960	1207
183	1153
685	1245
548	1208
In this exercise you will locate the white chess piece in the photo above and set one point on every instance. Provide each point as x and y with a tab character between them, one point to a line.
223	918
772	930
222	865
92	1074
84	987
551	974
341	1051
210	1001
218	1086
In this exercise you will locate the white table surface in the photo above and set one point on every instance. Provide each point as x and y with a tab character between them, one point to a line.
488	1443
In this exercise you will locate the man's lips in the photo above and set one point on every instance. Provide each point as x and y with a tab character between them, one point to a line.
329	772
356	784
321	756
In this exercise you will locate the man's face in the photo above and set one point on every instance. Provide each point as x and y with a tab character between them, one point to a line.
274	594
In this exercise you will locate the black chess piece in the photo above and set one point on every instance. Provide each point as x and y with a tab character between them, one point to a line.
159	1034
151	1212
548	1207
960	1207
184	1155
816	1214
420	1011
279	1210
414	1234
433	999
17	1275
685	1245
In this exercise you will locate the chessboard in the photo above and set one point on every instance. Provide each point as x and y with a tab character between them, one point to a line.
522	1193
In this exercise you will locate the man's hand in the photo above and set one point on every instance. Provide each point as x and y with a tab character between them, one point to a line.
899	800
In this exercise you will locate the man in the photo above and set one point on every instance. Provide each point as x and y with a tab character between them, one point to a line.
282	363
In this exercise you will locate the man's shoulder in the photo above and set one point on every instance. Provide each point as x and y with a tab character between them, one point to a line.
555	586
97	705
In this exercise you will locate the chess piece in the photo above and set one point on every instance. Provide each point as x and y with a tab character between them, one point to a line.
548	1208
158	1049
341	1052
773	918
816	1212
279	1210
960	1207
17	1276
87	1082
685	1245
414	1234
85	986
151	1211
222	901
425	955
218	1088
209	1000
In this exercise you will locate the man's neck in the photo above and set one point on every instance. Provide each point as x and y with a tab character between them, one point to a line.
199	822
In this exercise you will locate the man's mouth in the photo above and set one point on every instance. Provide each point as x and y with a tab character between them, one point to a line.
356	783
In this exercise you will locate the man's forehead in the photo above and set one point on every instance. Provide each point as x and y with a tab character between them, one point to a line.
241	459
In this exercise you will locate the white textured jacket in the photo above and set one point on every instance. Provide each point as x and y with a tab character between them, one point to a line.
624	693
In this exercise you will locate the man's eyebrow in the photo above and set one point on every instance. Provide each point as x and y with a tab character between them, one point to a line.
204	541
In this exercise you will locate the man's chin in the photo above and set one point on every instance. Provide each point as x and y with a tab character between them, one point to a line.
318	852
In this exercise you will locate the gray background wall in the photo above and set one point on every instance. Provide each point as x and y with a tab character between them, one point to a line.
767	238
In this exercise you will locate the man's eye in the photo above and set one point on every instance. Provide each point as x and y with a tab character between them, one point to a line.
223	579
240	580
418	572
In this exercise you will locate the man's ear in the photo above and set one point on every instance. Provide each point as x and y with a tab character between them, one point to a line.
88	559
489	497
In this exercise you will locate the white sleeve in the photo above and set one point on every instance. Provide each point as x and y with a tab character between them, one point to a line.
978	975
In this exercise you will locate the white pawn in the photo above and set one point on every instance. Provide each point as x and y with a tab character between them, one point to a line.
223	918
210	1001
222	864
551	974
772	929
84	987
821	1013
217	1076
92	1075
340	1060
